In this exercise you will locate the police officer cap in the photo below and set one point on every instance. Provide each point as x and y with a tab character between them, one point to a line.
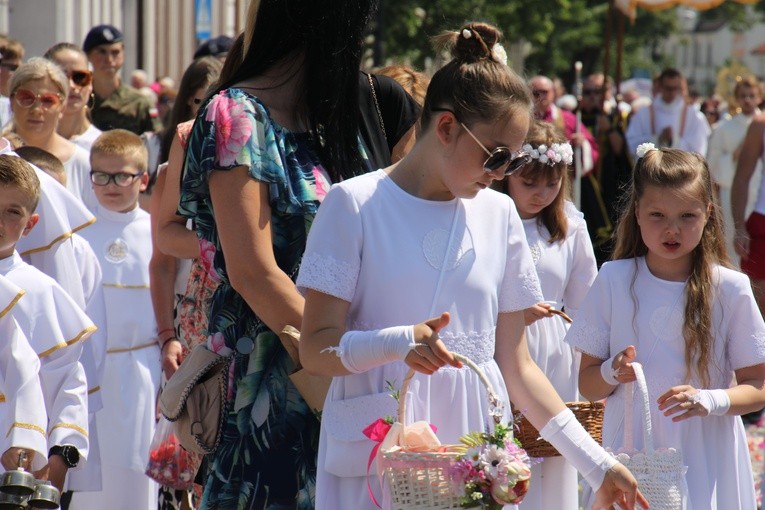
214	47
101	34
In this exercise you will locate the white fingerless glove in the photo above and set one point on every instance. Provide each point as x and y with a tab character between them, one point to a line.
360	351
607	371
717	402
568	436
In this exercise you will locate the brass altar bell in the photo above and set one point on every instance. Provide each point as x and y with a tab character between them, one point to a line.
19	490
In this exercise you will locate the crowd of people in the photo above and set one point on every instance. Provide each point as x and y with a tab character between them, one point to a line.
396	219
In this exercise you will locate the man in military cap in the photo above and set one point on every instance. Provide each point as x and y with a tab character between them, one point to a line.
116	104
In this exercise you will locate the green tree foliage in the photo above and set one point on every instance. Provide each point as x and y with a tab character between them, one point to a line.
558	32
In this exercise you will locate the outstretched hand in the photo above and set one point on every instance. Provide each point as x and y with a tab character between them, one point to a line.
430	353
620	487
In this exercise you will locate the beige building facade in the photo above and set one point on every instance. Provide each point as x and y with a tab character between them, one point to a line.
160	35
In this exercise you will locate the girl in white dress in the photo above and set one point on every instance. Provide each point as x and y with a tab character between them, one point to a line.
565	262
408	264
670	301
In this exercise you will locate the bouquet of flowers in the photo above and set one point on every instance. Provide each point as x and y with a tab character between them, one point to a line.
494	471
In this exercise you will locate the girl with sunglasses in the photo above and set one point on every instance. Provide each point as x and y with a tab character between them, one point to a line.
75	123
409	264
565	263
39	91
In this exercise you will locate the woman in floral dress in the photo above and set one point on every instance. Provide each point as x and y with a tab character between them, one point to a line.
261	156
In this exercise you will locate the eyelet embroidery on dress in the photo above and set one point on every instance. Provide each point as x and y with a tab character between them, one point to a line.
518	294
589	339
434	248
536	252
478	345
327	274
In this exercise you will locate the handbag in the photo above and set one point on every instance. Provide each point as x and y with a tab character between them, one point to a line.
195	399
660	473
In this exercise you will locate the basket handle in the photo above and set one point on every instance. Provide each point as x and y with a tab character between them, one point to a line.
491	395
645	410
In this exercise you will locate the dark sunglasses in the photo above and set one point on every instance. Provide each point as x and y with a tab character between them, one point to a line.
501	157
10	67
80	78
122	179
27	99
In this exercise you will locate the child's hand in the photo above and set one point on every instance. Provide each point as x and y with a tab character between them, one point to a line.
682	402
622	365
536	312
430	353
619	486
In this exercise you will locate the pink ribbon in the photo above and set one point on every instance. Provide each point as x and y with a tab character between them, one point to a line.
376	431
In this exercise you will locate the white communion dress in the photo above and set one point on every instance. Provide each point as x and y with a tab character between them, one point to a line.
566	269
628	305
384	251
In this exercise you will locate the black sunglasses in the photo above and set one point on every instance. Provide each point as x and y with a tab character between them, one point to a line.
499	157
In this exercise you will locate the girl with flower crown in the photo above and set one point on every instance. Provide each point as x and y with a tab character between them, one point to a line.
565	263
670	301
410	264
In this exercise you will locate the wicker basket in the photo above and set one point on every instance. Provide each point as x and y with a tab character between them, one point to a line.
421	480
589	414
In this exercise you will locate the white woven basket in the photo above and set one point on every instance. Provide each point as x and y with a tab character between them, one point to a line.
660	473
421	480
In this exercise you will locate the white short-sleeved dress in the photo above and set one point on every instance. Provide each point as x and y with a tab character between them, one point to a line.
649	314
566	269
382	249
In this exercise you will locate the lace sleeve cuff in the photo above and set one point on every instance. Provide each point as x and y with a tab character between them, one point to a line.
520	293
589	339
326	274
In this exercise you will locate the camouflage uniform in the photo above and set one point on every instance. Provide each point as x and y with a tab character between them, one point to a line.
124	109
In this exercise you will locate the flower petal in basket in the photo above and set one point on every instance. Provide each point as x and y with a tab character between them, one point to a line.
419	437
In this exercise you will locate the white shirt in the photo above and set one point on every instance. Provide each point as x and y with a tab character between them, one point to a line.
695	132
78	182
726	138
86	139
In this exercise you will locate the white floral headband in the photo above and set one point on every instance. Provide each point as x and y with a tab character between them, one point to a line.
498	53
644	148
554	154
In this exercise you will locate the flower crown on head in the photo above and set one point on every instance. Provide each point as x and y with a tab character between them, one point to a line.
644	148
554	154
498	53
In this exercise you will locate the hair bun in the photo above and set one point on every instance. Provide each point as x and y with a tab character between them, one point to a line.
475	42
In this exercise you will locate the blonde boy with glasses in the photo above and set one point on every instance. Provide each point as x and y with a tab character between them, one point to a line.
121	238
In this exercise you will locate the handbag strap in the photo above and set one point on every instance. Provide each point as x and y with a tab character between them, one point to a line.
645	411
377	105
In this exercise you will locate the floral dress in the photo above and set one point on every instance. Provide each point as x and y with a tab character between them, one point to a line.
269	443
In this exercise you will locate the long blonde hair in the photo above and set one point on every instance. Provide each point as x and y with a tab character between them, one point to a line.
674	169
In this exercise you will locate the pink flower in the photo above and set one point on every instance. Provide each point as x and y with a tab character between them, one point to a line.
233	127
207	256
217	344
322	186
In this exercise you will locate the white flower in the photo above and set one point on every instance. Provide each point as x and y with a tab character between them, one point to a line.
643	148
499	54
543	158
494	461
542	148
466	33
527	148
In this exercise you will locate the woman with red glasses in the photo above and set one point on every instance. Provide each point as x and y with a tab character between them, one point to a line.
38	92
75	123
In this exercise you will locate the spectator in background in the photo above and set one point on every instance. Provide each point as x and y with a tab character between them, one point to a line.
710	107
11	56
75	122
216	47
139	79
414	82
116	104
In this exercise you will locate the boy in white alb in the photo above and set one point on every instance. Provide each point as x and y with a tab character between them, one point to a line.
52	322
121	238
94	352
22	408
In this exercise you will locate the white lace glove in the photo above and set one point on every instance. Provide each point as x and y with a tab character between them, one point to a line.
568	436
360	351
716	402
